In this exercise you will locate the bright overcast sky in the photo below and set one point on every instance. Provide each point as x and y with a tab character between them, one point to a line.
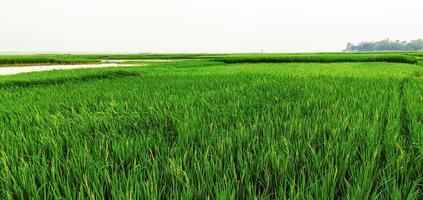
203	25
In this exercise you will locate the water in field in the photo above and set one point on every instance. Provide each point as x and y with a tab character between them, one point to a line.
39	68
104	63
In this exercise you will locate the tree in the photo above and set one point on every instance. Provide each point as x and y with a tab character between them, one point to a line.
415	45
386	45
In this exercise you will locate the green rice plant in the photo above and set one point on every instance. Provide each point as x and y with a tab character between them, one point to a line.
43	59
208	130
15	84
226	58
317	58
82	59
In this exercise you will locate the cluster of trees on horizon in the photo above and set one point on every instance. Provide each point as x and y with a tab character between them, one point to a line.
386	45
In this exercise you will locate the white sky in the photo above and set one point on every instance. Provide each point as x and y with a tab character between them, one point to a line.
203	25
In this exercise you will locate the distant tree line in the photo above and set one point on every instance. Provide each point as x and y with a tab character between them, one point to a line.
386	45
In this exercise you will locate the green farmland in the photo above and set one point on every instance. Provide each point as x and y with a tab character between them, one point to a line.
245	126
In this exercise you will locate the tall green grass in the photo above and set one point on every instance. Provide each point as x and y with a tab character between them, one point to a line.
44	59
86	77
200	130
82	59
226	58
317	58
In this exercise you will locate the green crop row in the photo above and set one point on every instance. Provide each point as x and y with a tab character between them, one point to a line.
206	130
226	58
318	58
80	59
